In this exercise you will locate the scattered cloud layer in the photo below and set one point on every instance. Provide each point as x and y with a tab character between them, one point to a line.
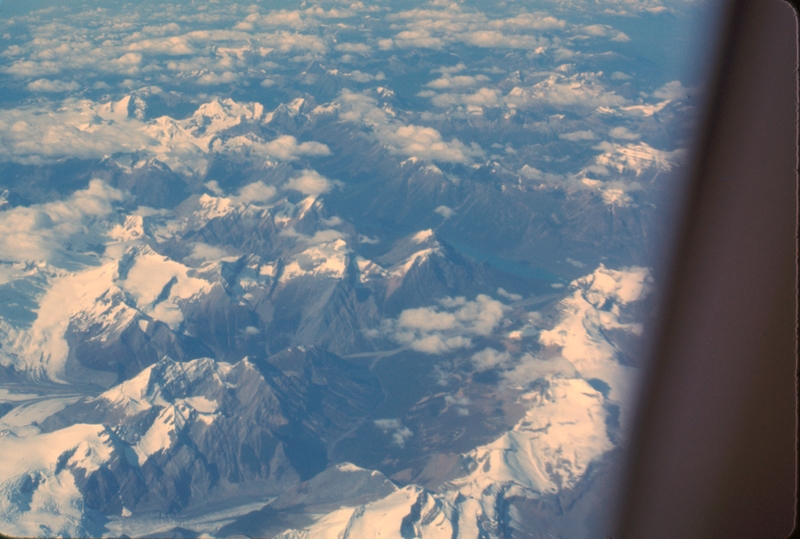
41	232
241	44
87	129
438	28
77	128
399	432
236	44
490	358
446	327
406	139
255	192
621	132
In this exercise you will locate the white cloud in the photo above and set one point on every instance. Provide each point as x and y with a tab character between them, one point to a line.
295	19
508	295
174	46
412	140
578	135
530	21
311	183
645	109
292	19
162	29
616	7
602	30
437	28
54	86
445	212
290	42
623	133
673	91
533	173
42	231
360	76
400	434
213	185
128	63
366	239
436	343
460	81
225	77
445	70
203	251
447	327
426	319
255	192
490	359
484	97
33	135
286	148
427	143
499	39
137	45
417	39
459	401
385	44
359	48
618	75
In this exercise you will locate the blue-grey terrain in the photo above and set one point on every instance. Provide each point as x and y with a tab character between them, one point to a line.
330	269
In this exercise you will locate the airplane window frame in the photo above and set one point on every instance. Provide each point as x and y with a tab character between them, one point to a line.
715	446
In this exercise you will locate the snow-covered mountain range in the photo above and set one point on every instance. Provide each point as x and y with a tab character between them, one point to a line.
184	332
330	270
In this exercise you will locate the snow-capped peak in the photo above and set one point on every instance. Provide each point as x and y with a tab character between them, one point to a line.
637	157
164	382
549	449
127	107
182	393
227	112
408	512
594	309
422	236
623	286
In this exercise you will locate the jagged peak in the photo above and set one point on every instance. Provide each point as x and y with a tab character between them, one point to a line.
623	286
416	246
222	109
126	108
167	380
